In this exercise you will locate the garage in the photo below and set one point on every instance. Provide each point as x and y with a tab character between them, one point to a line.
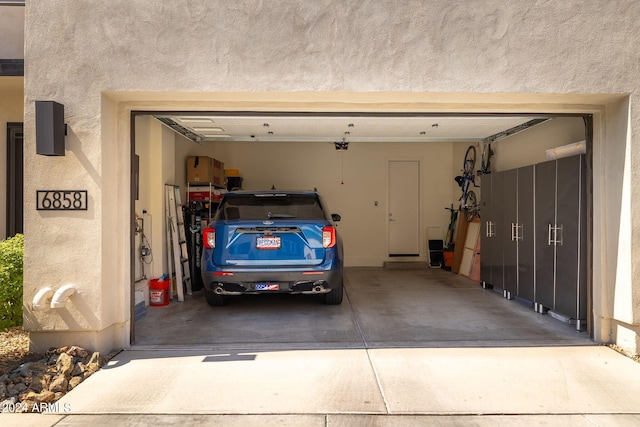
391	177
342	59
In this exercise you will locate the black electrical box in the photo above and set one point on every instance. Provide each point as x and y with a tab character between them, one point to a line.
49	128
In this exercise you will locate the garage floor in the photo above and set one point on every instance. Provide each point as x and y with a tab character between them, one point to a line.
384	307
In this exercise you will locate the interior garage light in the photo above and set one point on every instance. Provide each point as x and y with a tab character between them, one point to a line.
192	120
204	129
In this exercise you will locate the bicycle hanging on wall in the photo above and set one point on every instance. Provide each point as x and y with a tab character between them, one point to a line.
485	164
468	201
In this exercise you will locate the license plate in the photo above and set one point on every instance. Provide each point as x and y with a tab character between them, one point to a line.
267	287
268	242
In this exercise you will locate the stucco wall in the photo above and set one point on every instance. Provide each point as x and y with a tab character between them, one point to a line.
102	60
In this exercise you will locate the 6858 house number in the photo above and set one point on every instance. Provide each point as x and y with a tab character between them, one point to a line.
61	200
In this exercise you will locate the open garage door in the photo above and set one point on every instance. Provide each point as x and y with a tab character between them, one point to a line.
344	156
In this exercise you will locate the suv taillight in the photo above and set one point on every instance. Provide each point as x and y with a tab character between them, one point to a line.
328	237
209	238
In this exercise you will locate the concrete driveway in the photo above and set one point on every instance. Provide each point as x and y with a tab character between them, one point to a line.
407	347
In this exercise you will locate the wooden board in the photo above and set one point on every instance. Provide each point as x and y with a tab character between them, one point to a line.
461	237
470	249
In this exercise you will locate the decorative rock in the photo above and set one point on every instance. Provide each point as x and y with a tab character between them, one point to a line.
59	383
49	379
32	368
64	365
16	389
39	366
73	382
46	381
97	359
45	396
35	383
76	351
78	369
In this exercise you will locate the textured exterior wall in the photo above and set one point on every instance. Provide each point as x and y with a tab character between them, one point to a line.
101	59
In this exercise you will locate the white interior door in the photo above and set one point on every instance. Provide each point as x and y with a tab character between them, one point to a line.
404	208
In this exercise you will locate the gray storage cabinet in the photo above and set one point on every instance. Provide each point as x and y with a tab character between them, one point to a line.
486	232
491	262
508	220
525	233
560	217
533	239
518	233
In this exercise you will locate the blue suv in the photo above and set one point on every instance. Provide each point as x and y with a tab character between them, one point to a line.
272	242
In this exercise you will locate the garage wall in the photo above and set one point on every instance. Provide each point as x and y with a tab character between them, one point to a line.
351	182
155	144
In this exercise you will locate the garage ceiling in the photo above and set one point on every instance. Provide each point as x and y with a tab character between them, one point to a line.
310	127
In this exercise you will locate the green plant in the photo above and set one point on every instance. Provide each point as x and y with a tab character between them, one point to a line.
11	256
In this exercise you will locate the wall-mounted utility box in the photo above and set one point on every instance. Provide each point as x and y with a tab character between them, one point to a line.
205	170
49	128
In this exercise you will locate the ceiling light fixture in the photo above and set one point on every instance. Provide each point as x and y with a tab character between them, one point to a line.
204	129
194	120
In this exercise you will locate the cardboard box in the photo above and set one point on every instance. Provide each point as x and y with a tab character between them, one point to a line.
199	170
205	170
218	174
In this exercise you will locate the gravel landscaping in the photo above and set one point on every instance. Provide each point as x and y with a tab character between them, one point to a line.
30	381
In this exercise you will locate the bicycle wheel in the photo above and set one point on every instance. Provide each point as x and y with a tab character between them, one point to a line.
469	160
471	208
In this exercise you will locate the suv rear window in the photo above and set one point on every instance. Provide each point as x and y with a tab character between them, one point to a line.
270	206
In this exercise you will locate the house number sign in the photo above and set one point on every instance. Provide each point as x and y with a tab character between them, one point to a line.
61	200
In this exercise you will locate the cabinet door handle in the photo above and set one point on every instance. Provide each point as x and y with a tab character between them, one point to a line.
555	234
519	232
558	236
549	241
516	232
489	229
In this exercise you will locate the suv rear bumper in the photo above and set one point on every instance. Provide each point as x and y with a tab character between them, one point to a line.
314	282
